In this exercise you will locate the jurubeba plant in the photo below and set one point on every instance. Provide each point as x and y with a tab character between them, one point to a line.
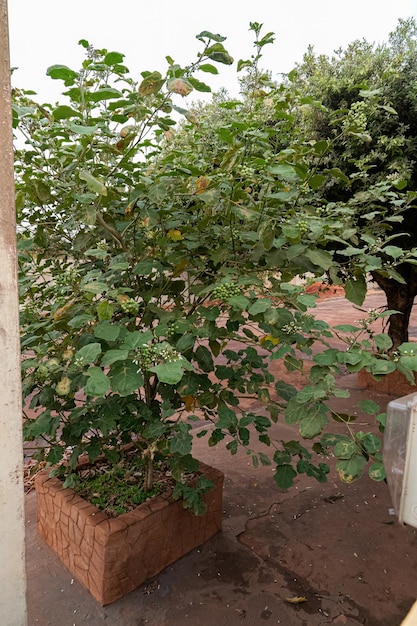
157	266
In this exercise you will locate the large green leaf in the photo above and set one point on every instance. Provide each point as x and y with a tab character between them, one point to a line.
62	72
377	471
259	306
284	476
351	469
64	112
207	67
321	258
112	356
355	290
125	378
266	233
89	353
206	34
112	58
94	184
313	421
105	310
227	417
107	331
379	366
105	93
198	85
82	130
98	383
169	373
182	440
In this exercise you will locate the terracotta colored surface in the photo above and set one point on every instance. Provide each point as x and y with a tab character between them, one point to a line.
113	556
395	383
333	544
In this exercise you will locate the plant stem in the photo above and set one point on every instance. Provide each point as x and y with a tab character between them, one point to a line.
148	474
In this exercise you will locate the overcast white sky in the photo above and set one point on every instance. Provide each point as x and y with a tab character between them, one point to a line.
46	32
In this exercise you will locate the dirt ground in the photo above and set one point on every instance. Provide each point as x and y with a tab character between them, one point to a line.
313	555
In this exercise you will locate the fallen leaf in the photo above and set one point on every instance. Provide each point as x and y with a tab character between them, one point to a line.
296	600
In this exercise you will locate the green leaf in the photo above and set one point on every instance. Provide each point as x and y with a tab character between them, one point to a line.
266	234
225	135
316	181
89	353
169	373
107	331
321	258
62	72
221	57
105	310
321	147
204	359
371	443
181	442
383	341
125	378
227	418
284	476
285	390
283	171
241	64
382	367
207	67
64	112
345	449
93	183
198	85
94	287
351	469
238	302
260	306
294	411
112	356
136	338
409	362
206	34
151	84
312	424
81	320
347	328
82	130
368	406
377	471
106	93
112	58
337	173
355	290
97	384
393	251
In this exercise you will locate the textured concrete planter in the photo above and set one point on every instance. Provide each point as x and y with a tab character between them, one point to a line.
394	384
113	556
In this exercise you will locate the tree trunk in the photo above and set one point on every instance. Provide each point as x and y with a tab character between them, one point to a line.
400	297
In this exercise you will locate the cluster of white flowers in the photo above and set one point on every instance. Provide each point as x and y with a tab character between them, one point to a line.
291	328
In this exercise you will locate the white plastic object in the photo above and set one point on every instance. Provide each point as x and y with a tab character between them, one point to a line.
400	456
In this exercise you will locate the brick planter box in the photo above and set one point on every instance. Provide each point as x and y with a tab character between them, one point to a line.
394	383
113	556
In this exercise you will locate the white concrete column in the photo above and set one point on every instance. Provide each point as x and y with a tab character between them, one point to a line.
12	524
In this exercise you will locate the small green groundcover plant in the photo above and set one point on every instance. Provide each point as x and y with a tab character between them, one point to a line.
157	273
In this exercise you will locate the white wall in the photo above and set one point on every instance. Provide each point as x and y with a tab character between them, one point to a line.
12	556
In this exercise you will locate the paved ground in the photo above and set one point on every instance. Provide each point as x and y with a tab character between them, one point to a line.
335	545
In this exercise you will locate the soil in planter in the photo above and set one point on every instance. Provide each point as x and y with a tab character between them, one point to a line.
118	488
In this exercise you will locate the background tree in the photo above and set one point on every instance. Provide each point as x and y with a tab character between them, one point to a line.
370	116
